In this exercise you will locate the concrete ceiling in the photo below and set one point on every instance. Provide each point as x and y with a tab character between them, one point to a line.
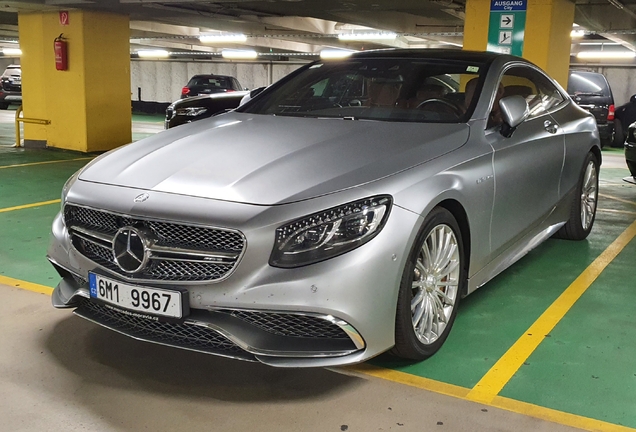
299	27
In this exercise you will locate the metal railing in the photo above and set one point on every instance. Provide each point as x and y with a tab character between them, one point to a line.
19	119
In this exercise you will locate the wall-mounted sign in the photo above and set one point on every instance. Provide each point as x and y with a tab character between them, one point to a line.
507	26
64	18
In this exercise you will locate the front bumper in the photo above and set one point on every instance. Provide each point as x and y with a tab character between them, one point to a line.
352	296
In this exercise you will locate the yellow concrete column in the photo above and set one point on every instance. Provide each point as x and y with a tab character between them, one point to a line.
547	38
88	104
547	33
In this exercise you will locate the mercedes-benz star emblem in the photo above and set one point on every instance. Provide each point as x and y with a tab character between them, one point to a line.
130	250
141	198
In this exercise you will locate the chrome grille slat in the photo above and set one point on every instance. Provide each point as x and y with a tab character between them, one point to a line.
182	253
292	324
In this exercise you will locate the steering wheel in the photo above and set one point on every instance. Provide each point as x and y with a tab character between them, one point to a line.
448	106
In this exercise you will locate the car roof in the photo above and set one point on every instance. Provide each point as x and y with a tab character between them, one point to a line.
211	76
442	54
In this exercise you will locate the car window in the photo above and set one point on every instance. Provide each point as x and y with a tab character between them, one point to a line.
536	88
210	82
588	84
386	89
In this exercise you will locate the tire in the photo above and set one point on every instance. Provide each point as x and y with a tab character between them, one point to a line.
4	106
583	210
619	135
439	291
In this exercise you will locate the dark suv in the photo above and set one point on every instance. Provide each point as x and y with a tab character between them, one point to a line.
591	91
11	86
208	84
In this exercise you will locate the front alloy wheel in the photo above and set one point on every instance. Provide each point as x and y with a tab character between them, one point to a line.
435	282
431	286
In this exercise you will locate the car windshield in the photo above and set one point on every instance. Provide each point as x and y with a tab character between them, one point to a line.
585	83
388	89
210	82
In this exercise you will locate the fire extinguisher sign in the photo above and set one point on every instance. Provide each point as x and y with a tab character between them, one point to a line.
64	18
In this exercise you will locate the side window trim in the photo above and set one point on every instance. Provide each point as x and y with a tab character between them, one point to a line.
566	98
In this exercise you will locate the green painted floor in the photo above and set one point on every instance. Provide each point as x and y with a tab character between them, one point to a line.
585	366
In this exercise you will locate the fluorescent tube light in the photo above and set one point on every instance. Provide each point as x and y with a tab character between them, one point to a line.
12	51
330	54
239	54
606	55
367	36
577	33
212	38
153	53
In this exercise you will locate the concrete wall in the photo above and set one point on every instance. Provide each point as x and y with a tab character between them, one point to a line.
162	81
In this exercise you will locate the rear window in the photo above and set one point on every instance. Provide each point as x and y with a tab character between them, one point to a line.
210	82
588	84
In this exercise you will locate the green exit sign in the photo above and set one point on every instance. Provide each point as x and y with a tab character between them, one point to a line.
507	26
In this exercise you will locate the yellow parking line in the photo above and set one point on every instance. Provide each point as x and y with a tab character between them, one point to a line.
5	280
408	379
498	376
44	162
512	405
616	211
26	206
617	199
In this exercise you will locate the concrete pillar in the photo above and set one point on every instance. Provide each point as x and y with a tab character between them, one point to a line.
88	104
547	33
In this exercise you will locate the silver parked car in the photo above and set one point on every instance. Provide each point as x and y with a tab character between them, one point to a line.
341	213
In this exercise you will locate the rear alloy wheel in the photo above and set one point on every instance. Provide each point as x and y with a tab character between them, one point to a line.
583	211
431	288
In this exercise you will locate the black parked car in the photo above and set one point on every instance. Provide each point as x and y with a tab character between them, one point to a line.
209	84
630	150
625	116
200	107
591	91
11	86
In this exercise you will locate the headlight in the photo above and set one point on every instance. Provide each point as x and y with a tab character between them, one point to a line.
191	111
330	233
68	185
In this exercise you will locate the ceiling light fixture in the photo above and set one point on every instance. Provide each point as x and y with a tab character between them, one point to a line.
153	53
606	55
577	33
12	51
239	54
332	54
367	36
213	38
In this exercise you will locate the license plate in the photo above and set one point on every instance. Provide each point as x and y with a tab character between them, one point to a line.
154	301
13	98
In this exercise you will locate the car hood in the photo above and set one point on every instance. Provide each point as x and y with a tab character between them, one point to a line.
267	160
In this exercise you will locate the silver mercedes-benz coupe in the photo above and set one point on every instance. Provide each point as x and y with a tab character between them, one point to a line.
343	212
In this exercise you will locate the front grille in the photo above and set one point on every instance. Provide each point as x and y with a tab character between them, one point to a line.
181	335
186	268
292	324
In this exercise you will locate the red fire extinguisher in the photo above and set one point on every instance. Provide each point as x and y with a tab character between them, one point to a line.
61	53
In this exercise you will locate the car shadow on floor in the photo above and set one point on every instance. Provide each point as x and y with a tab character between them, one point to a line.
100	357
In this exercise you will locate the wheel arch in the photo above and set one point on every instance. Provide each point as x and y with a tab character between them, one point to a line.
460	215
596	151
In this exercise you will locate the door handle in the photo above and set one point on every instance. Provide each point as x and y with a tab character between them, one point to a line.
550	127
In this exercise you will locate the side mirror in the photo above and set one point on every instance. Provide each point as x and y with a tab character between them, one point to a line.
256	91
514	110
